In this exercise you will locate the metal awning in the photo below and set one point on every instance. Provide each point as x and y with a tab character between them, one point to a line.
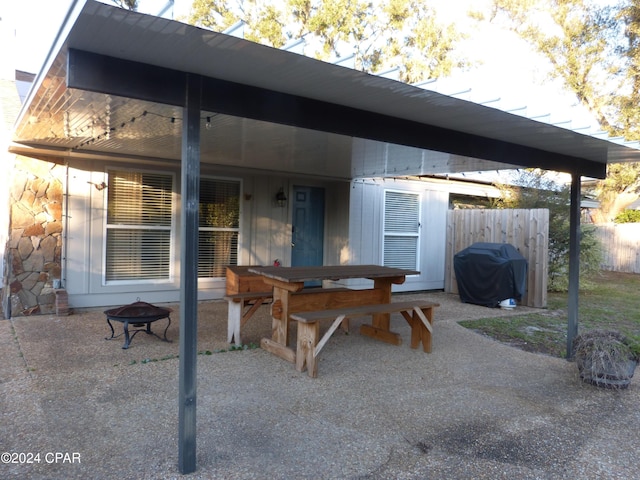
116	85
266	109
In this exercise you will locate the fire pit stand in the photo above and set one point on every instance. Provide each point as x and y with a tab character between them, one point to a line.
140	315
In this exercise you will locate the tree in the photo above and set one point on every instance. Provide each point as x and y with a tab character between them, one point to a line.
428	50
538	189
628	216
128	4
616	192
265	23
382	34
595	50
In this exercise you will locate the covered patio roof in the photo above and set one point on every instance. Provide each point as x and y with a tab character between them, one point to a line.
123	85
113	86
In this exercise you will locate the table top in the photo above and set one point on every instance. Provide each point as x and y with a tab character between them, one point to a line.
330	272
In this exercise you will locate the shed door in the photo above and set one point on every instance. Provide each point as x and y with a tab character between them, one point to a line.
307	236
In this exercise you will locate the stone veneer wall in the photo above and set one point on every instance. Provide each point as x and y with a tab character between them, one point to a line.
34	248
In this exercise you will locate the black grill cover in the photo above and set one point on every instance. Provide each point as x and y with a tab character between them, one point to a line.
488	273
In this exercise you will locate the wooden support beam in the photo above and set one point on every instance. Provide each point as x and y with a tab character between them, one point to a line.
278	349
380	334
334	326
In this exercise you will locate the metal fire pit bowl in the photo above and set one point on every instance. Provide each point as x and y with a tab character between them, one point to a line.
138	314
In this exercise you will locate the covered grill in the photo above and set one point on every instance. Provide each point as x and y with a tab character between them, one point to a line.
488	273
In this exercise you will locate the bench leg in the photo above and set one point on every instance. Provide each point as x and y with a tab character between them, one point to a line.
234	317
421	322
249	313
308	334
344	325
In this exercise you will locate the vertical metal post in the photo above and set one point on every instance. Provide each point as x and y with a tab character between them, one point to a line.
574	263
190	194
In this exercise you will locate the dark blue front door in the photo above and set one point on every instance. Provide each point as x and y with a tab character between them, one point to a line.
307	237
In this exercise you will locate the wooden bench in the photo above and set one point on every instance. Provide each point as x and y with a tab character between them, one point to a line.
240	280
243	289
419	315
237	317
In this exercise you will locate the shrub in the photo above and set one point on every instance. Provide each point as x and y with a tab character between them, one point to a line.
605	358
628	216
537	189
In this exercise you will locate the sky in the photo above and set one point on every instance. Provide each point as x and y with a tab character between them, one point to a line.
509	73
35	24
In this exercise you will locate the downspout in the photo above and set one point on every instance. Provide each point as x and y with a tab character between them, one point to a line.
574	263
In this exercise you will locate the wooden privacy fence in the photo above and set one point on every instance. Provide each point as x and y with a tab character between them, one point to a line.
620	246
527	230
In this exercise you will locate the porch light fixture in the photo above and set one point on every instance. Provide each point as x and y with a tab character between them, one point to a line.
281	198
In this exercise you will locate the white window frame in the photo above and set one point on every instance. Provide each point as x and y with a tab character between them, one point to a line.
170	228
401	234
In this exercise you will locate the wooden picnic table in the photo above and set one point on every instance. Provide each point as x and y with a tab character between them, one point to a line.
289	298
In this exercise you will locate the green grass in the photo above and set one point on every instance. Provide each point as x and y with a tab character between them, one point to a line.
611	302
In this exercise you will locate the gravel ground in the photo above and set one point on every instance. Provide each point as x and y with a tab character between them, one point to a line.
473	408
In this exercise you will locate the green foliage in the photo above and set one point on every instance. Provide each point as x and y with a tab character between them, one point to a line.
628	216
618	190
594	48
535	189
232	348
583	47
381	35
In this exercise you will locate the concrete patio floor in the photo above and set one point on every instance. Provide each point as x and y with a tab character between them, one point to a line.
473	408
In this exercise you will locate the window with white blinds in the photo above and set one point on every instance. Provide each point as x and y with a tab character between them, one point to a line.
219	226
139	213
401	229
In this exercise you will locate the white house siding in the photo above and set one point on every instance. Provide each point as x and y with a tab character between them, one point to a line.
83	250
269	225
265	233
364	223
353	233
336	232
433	239
78	271
366	230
